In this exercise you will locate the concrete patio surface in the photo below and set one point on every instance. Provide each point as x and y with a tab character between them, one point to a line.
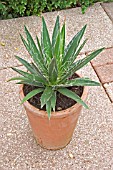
108	7
91	147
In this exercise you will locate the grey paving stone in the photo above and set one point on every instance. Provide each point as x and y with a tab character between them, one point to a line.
10	42
108	7
105	73
104	58
109	89
99	27
99	31
91	145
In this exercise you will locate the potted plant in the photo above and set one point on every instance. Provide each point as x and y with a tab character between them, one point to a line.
52	92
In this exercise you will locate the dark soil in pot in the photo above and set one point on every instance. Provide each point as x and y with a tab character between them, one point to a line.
62	101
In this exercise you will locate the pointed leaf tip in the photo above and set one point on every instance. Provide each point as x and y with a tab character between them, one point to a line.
73	96
25	28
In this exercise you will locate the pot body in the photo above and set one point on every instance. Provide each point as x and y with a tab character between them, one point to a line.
57	132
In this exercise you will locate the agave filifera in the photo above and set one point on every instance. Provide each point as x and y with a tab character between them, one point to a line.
53	64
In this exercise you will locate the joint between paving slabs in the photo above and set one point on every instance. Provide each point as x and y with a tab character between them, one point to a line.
101	83
106	12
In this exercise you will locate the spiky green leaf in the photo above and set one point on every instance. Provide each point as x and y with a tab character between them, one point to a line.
53	101
56	51
36	69
62	42
39	46
40	78
32	83
48	109
67	65
55	31
23	73
31	94
78	51
72	95
31	41
46	95
34	56
80	63
53	72
26	64
79	82
17	78
73	45
32	77
33	50
47	47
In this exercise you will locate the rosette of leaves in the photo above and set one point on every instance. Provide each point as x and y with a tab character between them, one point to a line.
53	64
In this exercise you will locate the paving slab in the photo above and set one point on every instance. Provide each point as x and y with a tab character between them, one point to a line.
108	7
103	65
99	26
109	89
10	41
104	58
105	73
91	145
99	31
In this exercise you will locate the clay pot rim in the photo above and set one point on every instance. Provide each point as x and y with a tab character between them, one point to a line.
62	113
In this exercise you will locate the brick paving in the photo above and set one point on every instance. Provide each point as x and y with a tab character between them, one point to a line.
105	73
104	58
108	7
103	66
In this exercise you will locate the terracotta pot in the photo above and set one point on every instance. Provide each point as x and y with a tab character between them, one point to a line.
57	132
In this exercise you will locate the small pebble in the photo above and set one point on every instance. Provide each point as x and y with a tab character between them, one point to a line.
6	56
9	134
2	44
71	155
16	48
59	108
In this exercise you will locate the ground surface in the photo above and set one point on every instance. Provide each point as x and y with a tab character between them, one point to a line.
91	147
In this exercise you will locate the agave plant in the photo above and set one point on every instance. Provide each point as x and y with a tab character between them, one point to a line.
53	64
